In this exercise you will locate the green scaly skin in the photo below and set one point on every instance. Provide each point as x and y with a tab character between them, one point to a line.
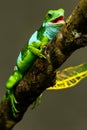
54	20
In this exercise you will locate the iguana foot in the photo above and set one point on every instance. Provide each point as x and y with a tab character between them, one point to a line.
37	102
13	102
41	55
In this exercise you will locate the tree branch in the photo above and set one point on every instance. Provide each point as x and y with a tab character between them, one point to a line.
42	73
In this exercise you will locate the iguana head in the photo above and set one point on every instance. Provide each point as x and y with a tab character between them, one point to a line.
55	17
53	22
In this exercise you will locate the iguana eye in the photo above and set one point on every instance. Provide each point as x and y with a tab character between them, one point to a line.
49	15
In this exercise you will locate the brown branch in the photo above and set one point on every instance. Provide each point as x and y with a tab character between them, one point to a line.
42	73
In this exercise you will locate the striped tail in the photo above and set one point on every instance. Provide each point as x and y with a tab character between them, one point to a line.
69	77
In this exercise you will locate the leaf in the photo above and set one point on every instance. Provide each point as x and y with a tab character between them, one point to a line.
69	77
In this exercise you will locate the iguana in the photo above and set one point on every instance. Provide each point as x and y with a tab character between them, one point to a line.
52	24
54	20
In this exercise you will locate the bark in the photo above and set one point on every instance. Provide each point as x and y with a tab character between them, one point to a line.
42	73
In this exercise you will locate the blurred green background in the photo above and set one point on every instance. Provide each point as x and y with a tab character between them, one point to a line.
59	110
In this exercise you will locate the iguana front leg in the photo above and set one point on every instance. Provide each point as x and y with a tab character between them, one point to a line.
13	102
37	47
36	51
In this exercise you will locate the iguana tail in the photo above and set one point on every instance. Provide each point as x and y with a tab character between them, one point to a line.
69	77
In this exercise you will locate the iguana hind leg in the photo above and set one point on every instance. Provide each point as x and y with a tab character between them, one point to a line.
12	81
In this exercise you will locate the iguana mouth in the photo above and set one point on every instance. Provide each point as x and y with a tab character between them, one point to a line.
58	20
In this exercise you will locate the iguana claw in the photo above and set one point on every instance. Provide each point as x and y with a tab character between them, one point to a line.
13	102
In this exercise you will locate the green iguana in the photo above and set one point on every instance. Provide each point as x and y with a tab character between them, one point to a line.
54	20
52	24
